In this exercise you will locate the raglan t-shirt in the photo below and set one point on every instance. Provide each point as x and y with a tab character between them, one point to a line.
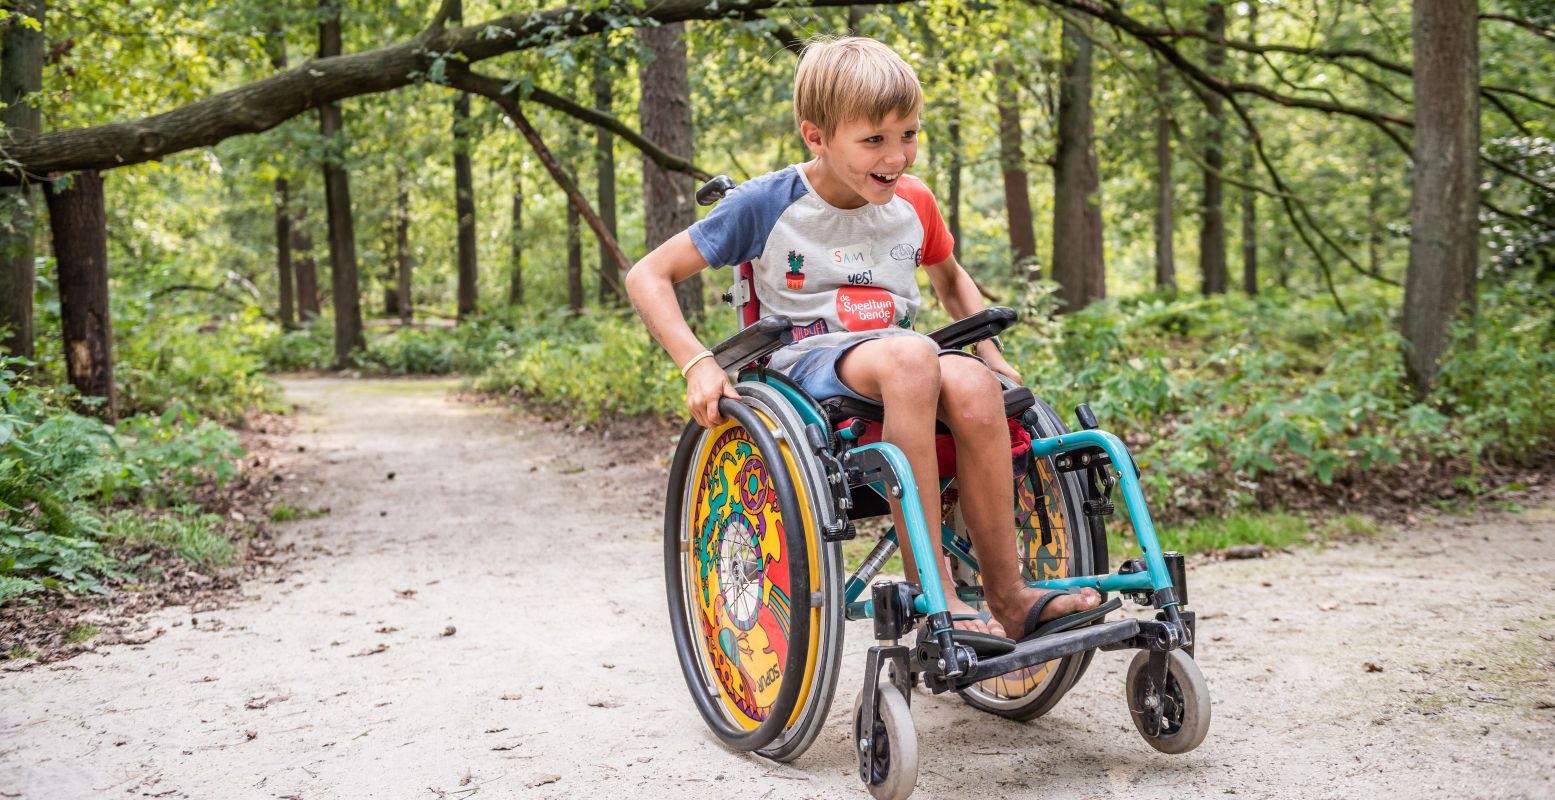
841	274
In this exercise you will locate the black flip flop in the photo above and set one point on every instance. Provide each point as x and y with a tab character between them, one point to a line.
1034	629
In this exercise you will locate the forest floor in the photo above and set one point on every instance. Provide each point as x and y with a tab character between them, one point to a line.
480	612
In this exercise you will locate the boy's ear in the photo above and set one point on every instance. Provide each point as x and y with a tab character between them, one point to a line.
812	136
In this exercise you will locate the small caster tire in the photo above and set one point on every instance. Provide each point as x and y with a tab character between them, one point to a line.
894	773
1186	713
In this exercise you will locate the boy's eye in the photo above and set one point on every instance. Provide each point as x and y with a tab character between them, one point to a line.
874	140
909	136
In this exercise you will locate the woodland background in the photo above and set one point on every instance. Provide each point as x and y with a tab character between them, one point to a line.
1300	254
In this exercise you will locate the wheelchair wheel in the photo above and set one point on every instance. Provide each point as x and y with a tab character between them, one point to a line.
754	594
1054	541
1184	703
893	773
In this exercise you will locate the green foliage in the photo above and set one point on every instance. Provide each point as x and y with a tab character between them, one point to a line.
1499	378
58	469
193	536
594	365
1220	395
307	348
176	361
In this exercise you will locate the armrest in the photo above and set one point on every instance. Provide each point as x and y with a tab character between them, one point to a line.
982	325
756	340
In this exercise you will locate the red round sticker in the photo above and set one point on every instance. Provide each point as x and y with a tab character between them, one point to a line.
865	308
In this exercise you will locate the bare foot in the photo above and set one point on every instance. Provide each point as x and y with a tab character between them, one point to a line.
957	606
1012	614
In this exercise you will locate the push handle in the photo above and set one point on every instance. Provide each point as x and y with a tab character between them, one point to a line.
714	190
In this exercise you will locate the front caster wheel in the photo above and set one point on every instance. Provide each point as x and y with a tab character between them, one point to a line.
1173	718
894	771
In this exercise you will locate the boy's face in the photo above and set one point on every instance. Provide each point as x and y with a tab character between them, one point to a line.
862	162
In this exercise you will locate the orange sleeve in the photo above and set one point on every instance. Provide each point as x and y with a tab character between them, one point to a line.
938	244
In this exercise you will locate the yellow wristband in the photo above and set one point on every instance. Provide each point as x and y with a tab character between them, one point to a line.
694	360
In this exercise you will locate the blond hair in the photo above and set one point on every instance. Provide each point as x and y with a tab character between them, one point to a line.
849	78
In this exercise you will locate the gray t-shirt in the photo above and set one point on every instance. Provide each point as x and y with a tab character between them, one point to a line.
841	275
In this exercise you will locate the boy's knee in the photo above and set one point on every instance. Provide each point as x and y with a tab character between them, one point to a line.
970	394
904	367
908	359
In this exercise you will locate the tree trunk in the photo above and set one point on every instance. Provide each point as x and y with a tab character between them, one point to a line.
21	73
306	268
80	228
954	199
1017	196
1212	230
402	253
391	285
337	201
464	192
1077	259
283	252
1165	262
610	290
275	42
1249	197
856	15
574	261
665	108
1444	234
516	288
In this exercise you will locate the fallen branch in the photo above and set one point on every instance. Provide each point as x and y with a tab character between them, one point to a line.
666	161
270	101
491	89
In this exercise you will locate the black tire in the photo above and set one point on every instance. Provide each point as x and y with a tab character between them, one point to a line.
1029	693
1186	714
691	648
894	772
829	621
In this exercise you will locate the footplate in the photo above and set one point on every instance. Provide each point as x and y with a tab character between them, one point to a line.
1047	648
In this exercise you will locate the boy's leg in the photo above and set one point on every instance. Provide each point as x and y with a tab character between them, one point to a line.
903	374
971	404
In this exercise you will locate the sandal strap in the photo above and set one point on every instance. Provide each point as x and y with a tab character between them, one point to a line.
1077	619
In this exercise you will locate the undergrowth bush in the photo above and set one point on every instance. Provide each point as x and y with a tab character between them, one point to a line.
1228	402
59	471
168	361
593	365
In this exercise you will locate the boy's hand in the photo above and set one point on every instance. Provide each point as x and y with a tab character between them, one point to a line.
995	361
706	384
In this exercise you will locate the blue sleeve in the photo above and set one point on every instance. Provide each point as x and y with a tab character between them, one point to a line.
737	228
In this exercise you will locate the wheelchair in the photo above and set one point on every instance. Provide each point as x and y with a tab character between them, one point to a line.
757	509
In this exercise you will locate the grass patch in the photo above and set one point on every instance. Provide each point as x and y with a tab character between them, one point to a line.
1272	528
854	551
285	512
17	652
194	537
80	633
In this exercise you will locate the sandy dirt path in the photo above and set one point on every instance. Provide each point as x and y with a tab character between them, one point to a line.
334	679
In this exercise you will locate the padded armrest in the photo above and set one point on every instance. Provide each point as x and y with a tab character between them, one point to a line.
982	325
762	338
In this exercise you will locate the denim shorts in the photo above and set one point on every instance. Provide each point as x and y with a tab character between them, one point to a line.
816	371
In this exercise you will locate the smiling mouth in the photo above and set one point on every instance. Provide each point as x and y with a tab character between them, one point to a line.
885	179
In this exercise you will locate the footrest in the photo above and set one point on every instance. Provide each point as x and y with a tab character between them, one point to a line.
1047	648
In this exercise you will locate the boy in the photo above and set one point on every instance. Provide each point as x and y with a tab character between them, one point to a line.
836	243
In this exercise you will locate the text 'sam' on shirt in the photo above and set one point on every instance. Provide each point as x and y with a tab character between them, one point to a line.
841	274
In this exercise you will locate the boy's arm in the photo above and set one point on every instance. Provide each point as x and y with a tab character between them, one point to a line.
958	293
651	285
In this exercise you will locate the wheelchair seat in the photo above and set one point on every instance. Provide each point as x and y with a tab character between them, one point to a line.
843	408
